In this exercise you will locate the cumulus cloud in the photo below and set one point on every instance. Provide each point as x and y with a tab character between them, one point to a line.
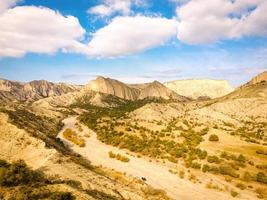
31	29
128	35
110	7
205	21
5	4
39	30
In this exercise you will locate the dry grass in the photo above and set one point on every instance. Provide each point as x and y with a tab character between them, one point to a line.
73	137
118	157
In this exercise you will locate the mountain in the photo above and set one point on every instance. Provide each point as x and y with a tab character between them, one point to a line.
200	88
113	87
32	91
157	89
131	92
246	103
262	77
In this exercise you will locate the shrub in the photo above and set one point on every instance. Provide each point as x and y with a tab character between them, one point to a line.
213	159
18	173
261	151
248	177
205	168
111	154
118	157
211	185
241	186
241	158
261	177
228	170
234	193
195	165
192	177
73	137
262	193
181	174
213	138
172	159
3	163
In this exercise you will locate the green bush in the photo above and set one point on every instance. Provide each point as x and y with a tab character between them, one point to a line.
241	158
228	170
205	168
213	159
213	138
261	177
195	165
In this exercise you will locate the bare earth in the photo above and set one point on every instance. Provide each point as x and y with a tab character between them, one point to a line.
156	175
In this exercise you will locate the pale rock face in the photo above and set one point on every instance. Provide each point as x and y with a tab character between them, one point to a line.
113	87
131	92
157	89
197	88
5	86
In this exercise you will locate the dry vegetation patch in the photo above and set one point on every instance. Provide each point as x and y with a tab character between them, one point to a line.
73	137
118	157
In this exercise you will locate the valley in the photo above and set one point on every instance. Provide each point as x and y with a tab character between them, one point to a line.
110	140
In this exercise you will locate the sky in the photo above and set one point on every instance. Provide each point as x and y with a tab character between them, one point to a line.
133	41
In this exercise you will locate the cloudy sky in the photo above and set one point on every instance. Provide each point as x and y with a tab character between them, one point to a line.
132	40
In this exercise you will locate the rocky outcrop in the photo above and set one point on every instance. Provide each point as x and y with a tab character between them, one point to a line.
262	77
197	88
31	91
113	87
158	90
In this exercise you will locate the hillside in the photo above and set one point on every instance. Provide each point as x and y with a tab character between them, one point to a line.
156	89
200	88
262	77
113	87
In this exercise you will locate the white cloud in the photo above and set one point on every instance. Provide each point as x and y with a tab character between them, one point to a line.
30	29
39	30
110	7
128	35
205	21
5	4
102	10
179	1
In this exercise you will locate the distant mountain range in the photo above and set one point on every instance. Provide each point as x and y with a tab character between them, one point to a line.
132	92
180	90
31	91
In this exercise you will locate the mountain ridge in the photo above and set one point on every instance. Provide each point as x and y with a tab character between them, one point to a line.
33	90
198	88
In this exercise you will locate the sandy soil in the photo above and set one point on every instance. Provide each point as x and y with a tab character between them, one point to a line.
156	175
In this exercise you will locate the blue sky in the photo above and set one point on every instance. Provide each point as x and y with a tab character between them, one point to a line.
199	49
